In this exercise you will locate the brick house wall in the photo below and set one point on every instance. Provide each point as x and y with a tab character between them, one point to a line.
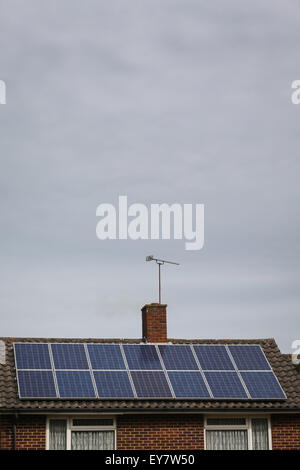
286	432
6	433
134	432
30	433
144	432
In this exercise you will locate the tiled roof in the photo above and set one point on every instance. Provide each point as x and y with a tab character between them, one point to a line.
281	364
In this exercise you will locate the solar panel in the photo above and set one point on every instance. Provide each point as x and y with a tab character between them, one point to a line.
36	384
142	357
113	384
262	385
75	384
249	357
106	356
225	385
230	372
188	385
213	357
151	384
177	357
32	356
69	356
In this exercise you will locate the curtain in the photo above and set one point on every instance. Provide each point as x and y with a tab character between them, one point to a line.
92	440
227	440
260	438
58	438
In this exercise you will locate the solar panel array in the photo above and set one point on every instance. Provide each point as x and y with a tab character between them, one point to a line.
139	371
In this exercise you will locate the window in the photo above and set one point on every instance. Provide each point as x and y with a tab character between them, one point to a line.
260	434
92	422
237	433
58	434
74	433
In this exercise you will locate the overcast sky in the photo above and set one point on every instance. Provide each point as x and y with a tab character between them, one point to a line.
183	101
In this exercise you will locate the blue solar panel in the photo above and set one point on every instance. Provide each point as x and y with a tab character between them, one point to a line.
151	384
69	356
225	385
178	357
112	384
75	384
32	356
112	380
213	357
36	384
249	357
106	356
141	357
188	385
262	385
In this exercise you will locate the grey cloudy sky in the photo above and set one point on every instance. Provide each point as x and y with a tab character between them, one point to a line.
164	101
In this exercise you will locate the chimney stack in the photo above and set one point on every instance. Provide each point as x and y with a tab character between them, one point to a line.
154	319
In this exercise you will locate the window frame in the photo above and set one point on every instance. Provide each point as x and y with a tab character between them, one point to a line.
231	427
69	427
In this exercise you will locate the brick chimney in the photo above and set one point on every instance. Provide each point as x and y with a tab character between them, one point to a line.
154	319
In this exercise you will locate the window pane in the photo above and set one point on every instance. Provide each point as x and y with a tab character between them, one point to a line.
226	440
93	422
226	421
92	440
58	438
260	437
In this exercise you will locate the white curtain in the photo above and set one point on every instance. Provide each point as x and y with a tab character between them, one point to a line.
260	438
227	440
92	440
58	436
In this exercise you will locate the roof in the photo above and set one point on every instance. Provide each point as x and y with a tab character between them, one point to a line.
281	364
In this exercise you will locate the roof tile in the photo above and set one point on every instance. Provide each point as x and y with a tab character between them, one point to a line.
281	364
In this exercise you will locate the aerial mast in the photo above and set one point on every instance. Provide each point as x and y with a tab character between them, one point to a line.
159	262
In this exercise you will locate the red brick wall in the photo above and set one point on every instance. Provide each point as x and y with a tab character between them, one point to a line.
5	432
30	435
154	321
159	432
286	432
